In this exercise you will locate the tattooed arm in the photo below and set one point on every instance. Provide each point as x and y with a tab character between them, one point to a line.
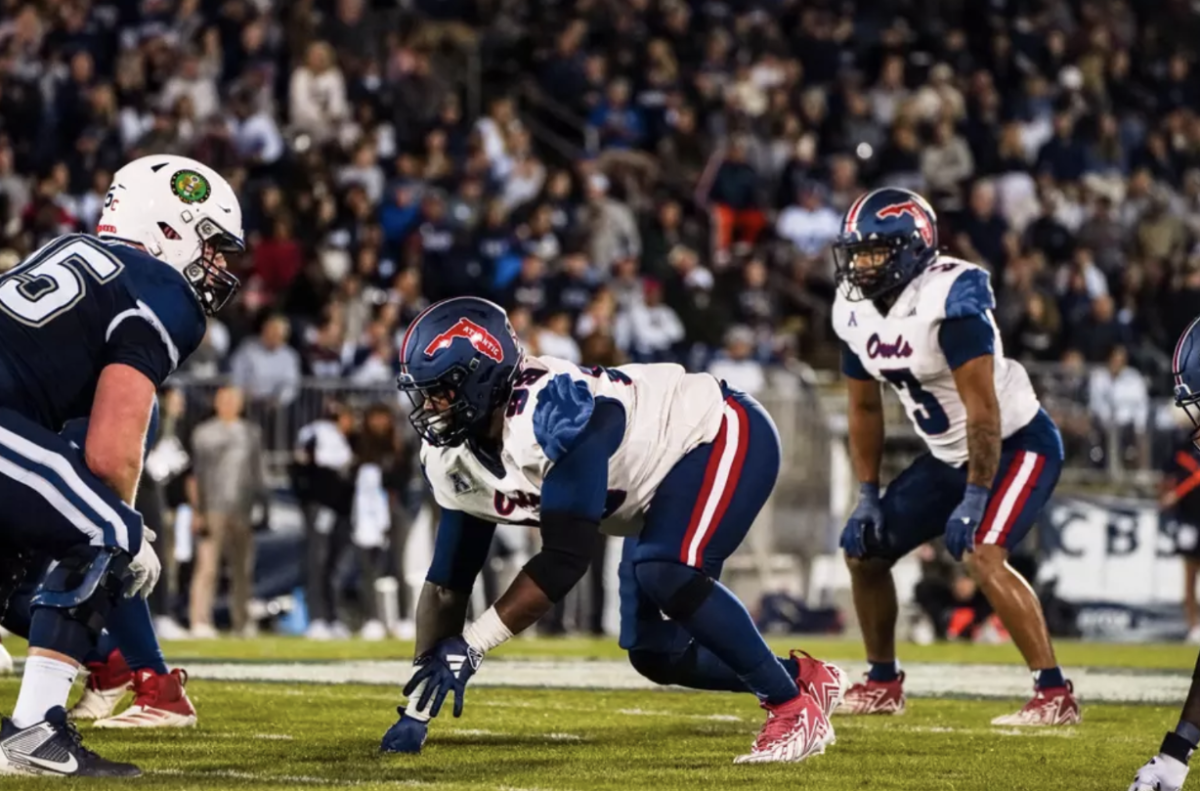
977	390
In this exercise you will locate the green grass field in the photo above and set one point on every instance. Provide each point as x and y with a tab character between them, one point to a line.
282	735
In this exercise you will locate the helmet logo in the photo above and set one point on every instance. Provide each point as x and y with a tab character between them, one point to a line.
484	342
920	219
190	187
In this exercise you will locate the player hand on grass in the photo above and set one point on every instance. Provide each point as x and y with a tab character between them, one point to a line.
407	735
445	669
1161	773
865	524
960	530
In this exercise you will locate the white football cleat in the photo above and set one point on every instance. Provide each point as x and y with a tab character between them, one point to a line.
794	731
106	685
160	701
373	631
318	630
167	628
6	661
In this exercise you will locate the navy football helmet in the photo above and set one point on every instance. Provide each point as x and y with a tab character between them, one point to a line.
888	237
458	361
1185	367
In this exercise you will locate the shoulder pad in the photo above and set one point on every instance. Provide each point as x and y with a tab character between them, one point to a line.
164	292
952	288
563	409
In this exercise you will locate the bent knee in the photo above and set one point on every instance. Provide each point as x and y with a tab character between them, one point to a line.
986	560
655	666
869	567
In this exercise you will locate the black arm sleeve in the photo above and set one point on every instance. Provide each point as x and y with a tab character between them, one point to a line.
567	543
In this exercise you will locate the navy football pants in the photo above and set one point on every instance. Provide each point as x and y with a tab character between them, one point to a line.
701	511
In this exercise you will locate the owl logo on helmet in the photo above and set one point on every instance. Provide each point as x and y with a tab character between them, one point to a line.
183	213
888	237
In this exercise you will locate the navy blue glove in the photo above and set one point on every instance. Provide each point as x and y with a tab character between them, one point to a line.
865	524
406	736
965	521
445	669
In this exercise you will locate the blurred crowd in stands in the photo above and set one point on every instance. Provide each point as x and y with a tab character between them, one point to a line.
635	179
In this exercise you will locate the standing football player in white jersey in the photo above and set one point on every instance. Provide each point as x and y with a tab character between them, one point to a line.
540	441
922	323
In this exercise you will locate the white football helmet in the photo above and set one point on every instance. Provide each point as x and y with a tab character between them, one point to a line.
184	213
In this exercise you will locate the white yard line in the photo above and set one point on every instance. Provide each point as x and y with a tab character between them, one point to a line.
922	680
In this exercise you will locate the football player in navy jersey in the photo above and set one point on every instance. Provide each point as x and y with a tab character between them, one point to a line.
90	326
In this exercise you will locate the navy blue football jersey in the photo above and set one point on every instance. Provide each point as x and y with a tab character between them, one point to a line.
80	304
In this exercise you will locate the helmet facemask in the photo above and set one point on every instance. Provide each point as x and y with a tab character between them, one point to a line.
870	268
441	414
213	283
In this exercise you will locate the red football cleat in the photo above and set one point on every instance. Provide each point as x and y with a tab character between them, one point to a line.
107	683
825	681
875	697
160	701
1053	706
794	731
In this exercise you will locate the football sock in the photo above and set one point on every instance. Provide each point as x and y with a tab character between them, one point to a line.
884	671
46	684
132	630
723	626
1049	679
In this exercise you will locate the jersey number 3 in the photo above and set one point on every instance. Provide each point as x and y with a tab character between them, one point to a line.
928	414
51	282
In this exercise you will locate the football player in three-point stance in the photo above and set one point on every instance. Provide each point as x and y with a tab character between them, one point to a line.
90	326
127	656
1168	770
539	441
922	323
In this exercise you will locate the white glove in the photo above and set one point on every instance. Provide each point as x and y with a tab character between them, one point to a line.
1162	773
145	566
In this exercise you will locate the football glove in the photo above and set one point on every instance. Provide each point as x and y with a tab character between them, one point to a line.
865	525
445	669
1161	773
406	736
145	567
965	521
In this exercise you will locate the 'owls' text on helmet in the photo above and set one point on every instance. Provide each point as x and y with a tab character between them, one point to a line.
185	214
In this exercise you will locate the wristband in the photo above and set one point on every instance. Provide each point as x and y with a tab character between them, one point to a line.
1177	747
487	632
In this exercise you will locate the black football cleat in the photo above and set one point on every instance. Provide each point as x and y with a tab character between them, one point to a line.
54	747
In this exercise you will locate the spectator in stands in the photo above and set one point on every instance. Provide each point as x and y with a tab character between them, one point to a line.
648	331
323	464
228	465
731	188
809	224
737	365
317	94
265	368
1120	403
555	339
612	230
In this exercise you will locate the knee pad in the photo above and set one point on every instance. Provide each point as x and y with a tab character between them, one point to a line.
85	585
678	590
663	668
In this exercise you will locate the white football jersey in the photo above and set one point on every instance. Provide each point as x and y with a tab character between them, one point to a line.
668	413
904	350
